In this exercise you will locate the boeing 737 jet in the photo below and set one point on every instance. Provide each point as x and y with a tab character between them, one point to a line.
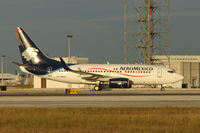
114	75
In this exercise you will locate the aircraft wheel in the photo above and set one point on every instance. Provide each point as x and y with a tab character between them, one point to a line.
97	88
162	89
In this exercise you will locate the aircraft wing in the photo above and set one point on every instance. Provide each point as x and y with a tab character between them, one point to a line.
85	75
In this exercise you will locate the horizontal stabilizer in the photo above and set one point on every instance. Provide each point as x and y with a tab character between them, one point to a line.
19	64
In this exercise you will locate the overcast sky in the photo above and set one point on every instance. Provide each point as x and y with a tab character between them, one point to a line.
96	26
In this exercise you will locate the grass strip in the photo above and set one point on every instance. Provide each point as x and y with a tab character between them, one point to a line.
100	120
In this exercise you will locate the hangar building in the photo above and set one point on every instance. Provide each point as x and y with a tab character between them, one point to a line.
187	65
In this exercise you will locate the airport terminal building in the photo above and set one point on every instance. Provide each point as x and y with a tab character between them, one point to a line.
187	65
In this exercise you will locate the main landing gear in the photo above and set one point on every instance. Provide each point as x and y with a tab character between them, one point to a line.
98	88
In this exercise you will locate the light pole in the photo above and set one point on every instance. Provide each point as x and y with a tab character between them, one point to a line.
68	42
125	31
2	73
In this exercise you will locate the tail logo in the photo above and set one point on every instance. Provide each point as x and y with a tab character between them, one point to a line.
31	53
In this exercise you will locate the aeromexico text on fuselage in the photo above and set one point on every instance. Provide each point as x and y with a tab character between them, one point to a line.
137	68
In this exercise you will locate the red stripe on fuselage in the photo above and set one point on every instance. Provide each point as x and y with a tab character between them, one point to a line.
116	72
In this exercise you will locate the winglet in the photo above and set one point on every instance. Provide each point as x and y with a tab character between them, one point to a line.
64	65
17	28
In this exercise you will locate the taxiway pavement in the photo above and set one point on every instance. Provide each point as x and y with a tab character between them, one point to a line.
56	98
99	101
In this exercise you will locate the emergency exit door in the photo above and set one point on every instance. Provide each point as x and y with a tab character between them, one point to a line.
159	72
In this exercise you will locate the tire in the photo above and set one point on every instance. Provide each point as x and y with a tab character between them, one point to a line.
162	89
97	88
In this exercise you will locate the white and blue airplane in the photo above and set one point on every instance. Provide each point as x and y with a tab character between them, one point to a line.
99	75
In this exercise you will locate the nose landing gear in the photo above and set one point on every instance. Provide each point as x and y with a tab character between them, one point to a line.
162	88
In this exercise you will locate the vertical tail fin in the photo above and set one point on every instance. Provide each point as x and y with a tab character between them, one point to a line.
30	53
34	61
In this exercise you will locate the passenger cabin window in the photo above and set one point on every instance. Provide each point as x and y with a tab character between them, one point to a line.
171	71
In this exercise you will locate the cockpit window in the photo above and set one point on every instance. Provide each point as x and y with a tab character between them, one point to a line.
171	71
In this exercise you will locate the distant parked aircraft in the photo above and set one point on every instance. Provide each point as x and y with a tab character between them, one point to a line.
10	79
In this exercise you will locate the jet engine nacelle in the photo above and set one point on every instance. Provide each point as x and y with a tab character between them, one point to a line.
120	83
